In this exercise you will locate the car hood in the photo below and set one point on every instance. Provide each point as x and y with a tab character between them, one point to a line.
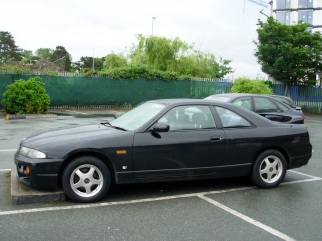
67	135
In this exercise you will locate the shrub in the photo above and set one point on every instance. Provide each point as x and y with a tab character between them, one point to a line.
26	97
246	85
139	71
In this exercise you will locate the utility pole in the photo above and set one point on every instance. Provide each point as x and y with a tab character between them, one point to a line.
93	59
153	18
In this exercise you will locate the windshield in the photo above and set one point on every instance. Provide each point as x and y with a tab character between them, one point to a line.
138	116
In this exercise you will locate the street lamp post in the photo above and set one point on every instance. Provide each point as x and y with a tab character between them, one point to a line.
153	18
93	60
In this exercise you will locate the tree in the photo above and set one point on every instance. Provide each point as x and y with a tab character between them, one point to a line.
44	53
113	61
206	65
175	55
28	57
289	54
159	53
247	85
61	57
9	51
87	62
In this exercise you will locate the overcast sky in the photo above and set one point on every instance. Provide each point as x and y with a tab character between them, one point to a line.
224	27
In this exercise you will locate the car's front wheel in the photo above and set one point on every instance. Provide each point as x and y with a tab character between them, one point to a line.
86	179
269	169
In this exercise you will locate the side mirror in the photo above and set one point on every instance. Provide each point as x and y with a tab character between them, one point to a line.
161	127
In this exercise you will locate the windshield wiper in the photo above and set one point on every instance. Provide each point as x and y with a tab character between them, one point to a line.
119	128
106	124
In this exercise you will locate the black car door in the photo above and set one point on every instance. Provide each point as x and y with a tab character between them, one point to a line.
192	146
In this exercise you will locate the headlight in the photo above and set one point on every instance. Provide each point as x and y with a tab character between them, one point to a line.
32	153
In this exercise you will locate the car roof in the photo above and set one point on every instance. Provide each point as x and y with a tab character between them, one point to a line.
186	101
183	101
236	95
233	95
287	98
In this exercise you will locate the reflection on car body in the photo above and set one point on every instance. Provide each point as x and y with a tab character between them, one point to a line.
163	140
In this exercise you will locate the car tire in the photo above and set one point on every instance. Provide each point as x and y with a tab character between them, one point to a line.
86	179
269	169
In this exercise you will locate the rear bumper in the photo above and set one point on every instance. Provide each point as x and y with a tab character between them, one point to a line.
302	160
299	161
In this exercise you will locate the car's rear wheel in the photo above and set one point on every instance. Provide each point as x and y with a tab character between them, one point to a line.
86	179
269	169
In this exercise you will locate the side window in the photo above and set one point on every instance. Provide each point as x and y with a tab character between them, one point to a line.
189	118
244	103
263	105
230	119
282	107
282	100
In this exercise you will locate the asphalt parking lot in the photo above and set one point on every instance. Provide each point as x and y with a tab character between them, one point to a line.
225	209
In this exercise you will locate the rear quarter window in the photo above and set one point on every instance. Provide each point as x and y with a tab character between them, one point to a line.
230	119
263	105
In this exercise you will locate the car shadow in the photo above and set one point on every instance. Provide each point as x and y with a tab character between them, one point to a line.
163	189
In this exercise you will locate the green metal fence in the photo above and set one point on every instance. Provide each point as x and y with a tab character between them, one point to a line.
308	97
76	91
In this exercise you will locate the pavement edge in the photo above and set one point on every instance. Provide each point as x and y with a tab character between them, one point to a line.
22	194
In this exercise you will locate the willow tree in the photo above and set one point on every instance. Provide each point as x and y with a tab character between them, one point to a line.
175	55
157	52
204	64
113	60
290	54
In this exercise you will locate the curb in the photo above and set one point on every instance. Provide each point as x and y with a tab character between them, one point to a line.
19	117
22	194
94	114
85	113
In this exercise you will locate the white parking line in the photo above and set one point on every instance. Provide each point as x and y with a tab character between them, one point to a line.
8	150
301	181
5	170
248	219
303	174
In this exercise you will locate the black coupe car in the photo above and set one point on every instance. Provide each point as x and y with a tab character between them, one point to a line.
163	140
269	106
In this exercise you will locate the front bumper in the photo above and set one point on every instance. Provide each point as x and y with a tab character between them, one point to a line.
42	173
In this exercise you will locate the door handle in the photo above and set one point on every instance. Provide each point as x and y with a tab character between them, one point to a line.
216	138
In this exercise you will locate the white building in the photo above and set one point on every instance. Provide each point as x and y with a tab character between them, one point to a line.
292	11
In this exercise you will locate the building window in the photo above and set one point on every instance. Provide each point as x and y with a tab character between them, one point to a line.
306	16
305	3
283	4
283	17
